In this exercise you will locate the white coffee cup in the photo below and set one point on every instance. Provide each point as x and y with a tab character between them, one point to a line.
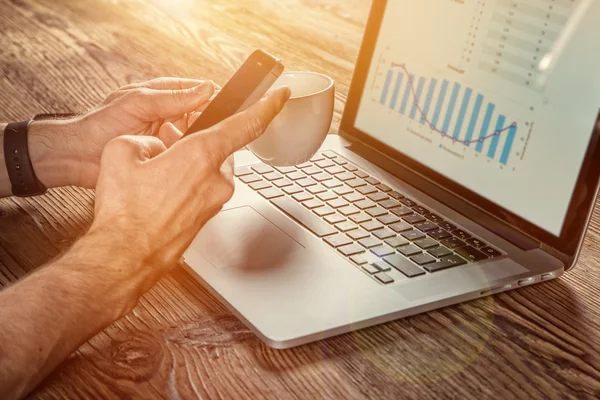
296	134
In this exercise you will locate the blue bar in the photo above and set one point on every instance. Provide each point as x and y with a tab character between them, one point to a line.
440	103
512	132
396	90
386	87
432	86
485	127
413	111
496	137
450	111
474	118
462	112
407	94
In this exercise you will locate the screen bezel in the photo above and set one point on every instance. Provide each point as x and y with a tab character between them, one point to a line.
583	196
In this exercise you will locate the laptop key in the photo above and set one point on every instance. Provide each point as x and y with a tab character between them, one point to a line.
476	243
346	226
313	223
439	251
300	197
285	170
423	259
260	185
388	219
314	203
316	189
338	240
384	278
364	204
250	178
334	218
323	176
323	211
349	210
345	176
354	183
413	235
421	210
332	183
282	183
404	265
361	174
389	203
272	176
371	226
358	260
296	175
491	252
439	234
351	167
367	189
408	202
402	211
383	251
334	170
358	234
409	250
324	163
396	241
262	169
395	195
427	226
378	196
401	227
453	243
292	189
241	171
342	190
384	188
312	170
370	269
471	254
413	218
360	218
329	154
306	182
383	233
339	160
338	203
304	165
376	212
369	242
353	197
461	234
382	266
270	193
434	218
326	196
426	243
444	263
447	226
372	181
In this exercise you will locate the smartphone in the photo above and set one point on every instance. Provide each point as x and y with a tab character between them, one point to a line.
246	87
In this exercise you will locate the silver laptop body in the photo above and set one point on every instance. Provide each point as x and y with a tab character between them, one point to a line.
295	273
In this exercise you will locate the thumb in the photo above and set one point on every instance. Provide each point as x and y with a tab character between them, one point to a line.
152	104
169	134
126	149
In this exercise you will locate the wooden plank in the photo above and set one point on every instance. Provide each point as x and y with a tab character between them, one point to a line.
180	342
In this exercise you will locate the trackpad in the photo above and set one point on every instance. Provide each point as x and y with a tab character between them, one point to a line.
243	238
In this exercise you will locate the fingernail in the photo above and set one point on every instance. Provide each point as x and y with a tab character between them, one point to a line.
205	87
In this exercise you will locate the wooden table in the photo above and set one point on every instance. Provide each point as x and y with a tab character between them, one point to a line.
179	342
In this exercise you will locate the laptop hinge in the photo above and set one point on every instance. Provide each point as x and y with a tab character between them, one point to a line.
444	196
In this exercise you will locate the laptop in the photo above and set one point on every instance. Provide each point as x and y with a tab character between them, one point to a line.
466	165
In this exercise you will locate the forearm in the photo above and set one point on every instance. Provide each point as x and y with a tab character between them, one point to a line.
49	314
51	154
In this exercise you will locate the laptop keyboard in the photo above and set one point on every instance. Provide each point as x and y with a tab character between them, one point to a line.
375	227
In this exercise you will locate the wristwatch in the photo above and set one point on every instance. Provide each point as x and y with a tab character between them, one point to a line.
16	155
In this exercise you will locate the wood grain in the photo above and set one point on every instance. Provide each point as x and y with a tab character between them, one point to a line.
179	342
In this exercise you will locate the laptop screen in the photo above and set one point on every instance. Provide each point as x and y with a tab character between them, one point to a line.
499	96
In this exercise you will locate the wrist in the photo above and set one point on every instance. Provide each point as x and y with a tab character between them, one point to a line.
51	151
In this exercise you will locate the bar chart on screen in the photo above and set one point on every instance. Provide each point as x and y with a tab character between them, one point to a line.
453	111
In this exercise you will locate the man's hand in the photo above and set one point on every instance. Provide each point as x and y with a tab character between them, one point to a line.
67	152
152	200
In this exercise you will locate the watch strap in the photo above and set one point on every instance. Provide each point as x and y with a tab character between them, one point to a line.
18	164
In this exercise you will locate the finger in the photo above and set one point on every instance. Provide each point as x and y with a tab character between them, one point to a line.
134	148
232	134
152	104
169	134
165	83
